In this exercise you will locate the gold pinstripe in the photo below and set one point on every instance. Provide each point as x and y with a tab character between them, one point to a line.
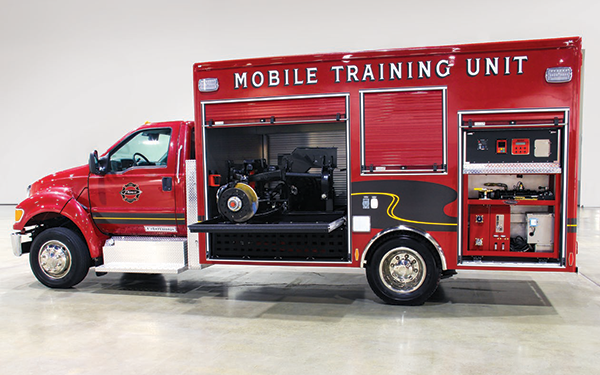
392	206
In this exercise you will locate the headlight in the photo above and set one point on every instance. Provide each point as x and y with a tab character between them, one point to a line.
28	191
19	214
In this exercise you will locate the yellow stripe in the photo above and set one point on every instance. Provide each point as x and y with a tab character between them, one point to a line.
571	225
392	206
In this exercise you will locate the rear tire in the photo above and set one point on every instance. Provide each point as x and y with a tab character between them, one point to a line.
59	258
403	271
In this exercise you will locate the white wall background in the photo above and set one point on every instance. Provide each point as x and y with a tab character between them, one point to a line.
76	75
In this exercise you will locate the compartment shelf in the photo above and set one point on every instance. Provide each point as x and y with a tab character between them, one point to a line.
517	202
516	254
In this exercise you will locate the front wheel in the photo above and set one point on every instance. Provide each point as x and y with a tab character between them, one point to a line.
403	271
59	258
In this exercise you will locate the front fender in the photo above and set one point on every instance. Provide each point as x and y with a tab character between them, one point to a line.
37	206
75	212
50	204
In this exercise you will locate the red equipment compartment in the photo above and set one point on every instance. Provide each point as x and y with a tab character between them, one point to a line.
489	228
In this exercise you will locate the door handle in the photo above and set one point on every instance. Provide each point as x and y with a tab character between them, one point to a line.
178	162
167	183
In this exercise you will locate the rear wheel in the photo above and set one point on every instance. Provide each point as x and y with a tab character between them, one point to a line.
59	258
403	271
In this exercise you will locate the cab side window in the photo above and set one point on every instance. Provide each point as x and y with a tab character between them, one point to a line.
142	149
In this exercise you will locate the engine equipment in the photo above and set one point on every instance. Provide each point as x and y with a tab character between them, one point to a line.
238	203
256	189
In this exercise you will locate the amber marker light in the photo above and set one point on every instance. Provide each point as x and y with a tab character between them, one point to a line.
19	214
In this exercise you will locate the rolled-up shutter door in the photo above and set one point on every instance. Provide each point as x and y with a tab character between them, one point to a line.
280	111
516	118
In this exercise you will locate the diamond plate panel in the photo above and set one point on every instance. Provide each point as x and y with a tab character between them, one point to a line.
512	168
192	213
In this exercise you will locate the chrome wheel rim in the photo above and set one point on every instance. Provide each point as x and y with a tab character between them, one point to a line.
402	270
55	259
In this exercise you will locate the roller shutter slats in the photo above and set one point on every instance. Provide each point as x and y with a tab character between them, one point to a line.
403	130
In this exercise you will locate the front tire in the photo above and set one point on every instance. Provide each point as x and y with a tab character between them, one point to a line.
403	271
59	258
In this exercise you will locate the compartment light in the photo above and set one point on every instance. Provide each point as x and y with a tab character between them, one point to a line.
561	74
208	84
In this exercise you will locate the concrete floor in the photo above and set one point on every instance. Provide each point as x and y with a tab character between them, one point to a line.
251	320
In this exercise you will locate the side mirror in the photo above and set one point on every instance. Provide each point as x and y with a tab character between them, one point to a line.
93	163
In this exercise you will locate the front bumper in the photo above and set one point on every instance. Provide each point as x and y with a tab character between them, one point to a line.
16	240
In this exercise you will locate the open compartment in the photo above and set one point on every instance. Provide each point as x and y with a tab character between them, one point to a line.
277	188
512	187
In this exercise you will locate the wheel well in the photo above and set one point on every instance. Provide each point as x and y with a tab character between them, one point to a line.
48	220
403	233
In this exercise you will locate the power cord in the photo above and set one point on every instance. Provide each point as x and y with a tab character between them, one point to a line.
519	244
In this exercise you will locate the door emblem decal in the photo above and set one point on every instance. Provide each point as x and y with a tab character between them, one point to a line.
131	192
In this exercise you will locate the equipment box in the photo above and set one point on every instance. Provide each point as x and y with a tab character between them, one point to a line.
541	231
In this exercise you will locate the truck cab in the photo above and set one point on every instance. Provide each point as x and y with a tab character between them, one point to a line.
135	189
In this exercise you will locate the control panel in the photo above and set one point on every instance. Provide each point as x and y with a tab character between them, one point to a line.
512	146
520	146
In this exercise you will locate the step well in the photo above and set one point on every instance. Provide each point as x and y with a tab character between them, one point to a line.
144	255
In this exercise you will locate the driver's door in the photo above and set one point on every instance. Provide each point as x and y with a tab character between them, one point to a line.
136	196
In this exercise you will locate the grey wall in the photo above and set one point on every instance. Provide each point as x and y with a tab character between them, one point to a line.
76	75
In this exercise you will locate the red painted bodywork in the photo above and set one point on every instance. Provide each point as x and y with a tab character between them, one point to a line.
517	85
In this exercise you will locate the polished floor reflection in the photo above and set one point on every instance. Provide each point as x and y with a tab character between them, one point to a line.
253	320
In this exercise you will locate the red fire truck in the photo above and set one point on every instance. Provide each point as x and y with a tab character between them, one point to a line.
410	163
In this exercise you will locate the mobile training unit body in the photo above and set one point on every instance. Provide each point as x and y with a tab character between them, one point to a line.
410	163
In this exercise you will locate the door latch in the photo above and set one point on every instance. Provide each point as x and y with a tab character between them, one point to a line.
167	183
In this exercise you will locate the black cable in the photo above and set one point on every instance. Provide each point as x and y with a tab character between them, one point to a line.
519	244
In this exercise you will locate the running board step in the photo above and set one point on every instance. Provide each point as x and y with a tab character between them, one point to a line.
144	255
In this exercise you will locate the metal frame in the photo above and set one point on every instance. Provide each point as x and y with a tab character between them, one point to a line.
444	90
290	97
564	175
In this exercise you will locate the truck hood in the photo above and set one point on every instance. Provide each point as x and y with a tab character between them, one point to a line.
70	181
